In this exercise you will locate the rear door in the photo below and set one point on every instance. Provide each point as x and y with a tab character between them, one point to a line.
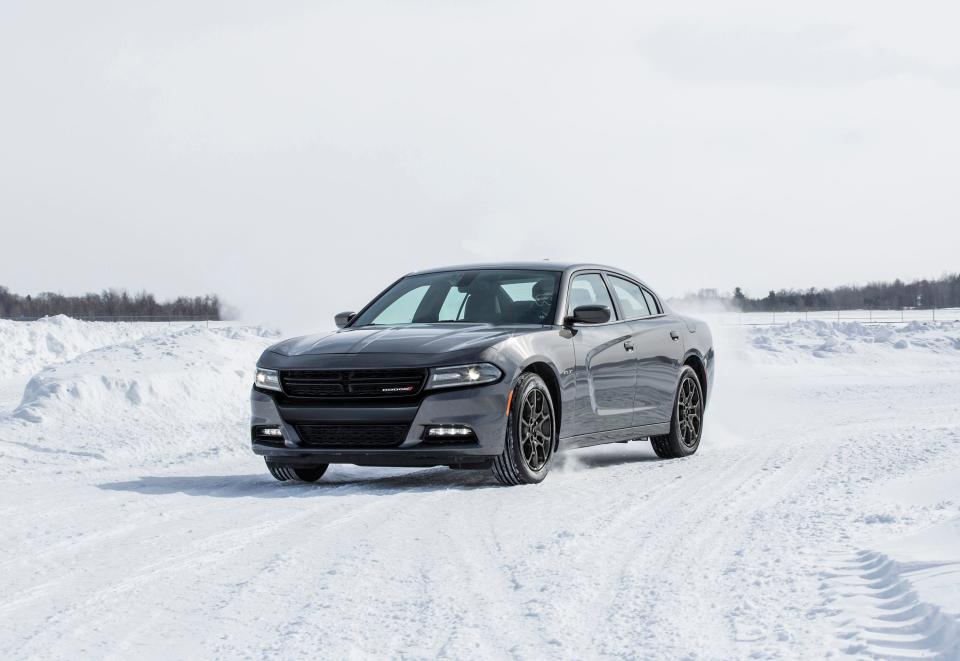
658	346
606	364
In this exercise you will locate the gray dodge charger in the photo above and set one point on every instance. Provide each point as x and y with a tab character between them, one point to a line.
490	366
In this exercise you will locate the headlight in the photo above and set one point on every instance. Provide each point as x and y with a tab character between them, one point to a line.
463	375
268	379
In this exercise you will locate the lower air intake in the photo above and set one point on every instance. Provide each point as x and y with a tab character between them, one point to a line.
352	436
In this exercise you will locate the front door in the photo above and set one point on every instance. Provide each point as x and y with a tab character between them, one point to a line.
606	363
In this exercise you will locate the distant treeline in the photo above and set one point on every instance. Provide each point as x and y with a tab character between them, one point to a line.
940	293
107	304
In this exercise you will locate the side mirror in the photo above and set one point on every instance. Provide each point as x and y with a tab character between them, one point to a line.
343	318
589	314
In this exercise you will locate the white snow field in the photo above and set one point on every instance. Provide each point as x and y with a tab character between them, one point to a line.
821	516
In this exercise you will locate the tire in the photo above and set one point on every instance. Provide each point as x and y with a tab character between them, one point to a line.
283	473
528	448
686	424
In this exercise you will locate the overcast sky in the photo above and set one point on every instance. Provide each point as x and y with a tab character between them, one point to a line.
297	157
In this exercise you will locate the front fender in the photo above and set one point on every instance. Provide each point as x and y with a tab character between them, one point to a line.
549	352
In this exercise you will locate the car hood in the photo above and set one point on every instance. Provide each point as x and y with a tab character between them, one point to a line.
414	339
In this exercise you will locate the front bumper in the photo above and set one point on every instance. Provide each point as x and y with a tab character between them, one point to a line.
482	408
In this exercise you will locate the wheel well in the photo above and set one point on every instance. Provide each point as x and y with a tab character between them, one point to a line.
549	377
697	365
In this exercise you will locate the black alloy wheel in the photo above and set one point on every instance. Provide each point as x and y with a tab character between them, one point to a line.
690	411
536	429
531	433
686	423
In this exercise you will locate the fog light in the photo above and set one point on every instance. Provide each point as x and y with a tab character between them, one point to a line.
449	432
272	435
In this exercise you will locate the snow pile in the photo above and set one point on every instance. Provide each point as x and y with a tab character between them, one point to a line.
29	346
801	341
156	399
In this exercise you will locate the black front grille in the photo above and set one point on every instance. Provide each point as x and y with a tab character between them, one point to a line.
350	384
352	436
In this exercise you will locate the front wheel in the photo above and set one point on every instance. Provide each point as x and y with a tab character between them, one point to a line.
686	425
531	434
285	473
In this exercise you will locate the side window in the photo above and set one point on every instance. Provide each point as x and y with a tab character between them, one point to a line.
589	289
402	310
630	297
652	303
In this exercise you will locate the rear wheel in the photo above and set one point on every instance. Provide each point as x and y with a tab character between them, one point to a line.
686	426
531	434
286	473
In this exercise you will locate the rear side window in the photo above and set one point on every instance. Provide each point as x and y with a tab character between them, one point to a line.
589	289
630	297
652	303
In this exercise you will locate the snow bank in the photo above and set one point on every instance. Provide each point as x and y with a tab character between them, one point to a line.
28	346
156	399
853	342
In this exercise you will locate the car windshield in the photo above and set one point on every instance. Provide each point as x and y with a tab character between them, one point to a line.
478	296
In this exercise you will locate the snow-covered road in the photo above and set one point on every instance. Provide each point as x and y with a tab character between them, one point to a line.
821	515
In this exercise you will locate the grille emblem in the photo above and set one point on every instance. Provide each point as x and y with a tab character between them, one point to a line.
403	389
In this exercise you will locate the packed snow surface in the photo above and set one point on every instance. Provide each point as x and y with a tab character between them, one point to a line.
820	517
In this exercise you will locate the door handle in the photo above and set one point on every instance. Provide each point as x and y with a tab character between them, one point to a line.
674	335
628	345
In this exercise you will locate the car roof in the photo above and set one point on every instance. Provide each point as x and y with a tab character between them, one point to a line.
545	265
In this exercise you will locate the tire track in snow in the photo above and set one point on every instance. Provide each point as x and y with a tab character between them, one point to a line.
889	620
679	522
206	554
331	577
701	537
